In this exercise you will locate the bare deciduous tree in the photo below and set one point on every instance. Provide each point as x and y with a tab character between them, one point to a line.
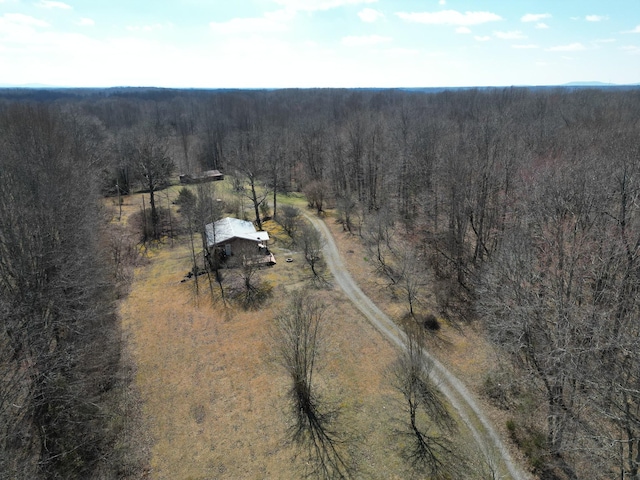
537	298
248	267
298	336
378	235
290	220
154	167
187	201
427	447
311	242
252	169
316	193
59	346
346	208
208	211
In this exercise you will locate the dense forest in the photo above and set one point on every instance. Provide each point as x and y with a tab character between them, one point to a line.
521	205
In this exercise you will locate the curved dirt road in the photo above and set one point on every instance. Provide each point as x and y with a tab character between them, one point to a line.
497	456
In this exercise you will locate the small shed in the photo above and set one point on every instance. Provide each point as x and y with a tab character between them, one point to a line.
208	176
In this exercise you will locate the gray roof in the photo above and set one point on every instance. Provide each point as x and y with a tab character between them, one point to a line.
229	228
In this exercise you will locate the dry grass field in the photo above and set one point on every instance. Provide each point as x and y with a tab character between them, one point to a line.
212	392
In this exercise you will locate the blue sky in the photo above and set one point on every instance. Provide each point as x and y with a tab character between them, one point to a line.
318	43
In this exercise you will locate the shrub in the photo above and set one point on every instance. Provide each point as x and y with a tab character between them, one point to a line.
496	392
255	297
289	220
431	322
532	442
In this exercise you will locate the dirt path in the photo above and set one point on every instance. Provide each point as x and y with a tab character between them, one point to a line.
457	394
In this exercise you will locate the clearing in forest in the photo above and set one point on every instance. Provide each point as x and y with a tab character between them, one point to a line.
213	394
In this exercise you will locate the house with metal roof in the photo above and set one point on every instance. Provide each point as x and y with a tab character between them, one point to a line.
229	236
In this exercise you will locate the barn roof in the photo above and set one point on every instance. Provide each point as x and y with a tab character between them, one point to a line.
229	228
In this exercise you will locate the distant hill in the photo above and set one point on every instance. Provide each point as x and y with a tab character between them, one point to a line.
27	85
590	84
43	93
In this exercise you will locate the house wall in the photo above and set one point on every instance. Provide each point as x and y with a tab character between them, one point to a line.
239	247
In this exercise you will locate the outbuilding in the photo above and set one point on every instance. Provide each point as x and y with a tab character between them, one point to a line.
208	176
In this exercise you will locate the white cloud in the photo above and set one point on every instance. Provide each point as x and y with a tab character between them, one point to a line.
635	30
534	17
369	15
319	5
20	20
239	26
463	30
512	35
529	46
145	28
17	27
572	47
542	26
86	22
53	4
479	38
282	15
271	22
364	40
403	52
596	18
449	17
442	2
632	49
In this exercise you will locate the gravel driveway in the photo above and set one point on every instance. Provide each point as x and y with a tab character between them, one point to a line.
496	454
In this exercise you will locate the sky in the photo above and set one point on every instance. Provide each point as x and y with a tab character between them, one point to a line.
318	43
